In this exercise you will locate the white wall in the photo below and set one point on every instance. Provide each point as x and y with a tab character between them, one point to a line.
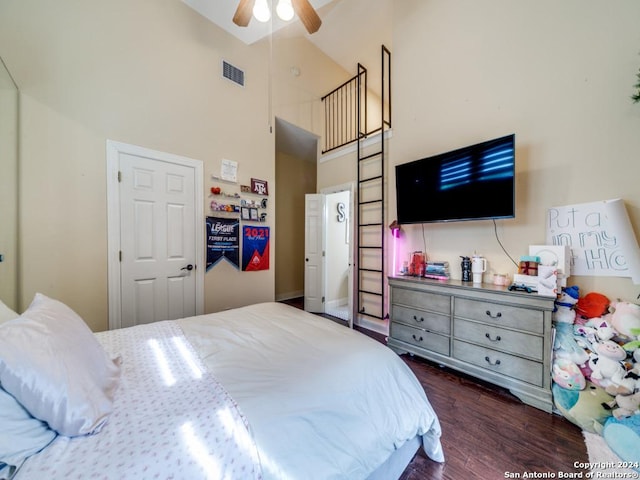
90	72
8	188
148	73
558	74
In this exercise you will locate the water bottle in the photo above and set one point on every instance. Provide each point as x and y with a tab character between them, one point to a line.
466	269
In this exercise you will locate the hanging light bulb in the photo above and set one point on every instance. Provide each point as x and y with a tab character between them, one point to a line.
285	10
261	11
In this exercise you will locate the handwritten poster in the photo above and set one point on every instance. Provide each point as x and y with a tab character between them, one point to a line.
255	248
223	241
600	237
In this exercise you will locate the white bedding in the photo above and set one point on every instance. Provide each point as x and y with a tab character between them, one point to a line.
171	420
265	391
323	401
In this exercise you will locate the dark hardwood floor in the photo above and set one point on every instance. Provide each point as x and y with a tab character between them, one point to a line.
487	433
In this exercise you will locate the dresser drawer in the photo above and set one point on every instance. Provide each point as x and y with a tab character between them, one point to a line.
434	322
519	343
499	362
430	301
500	315
420	338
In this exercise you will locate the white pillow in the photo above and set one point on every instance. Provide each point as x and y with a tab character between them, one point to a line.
22	435
53	365
6	313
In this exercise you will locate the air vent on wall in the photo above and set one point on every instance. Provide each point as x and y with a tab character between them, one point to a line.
232	73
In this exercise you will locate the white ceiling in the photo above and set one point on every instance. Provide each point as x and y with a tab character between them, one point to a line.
352	32
221	13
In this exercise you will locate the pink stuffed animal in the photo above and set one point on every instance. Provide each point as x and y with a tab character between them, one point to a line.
567	374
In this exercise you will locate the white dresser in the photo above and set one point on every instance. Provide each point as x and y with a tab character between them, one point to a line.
486	331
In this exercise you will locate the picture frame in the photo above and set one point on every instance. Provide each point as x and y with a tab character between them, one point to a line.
254	214
259	187
245	214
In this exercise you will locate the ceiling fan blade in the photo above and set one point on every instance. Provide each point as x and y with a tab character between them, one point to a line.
243	13
307	15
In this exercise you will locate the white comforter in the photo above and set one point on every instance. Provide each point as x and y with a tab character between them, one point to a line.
266	391
323	402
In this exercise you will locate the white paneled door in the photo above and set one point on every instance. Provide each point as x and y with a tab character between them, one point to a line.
160	237
313	253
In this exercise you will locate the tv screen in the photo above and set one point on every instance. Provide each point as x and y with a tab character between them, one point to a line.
471	183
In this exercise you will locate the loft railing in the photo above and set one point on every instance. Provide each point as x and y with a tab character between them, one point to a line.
341	107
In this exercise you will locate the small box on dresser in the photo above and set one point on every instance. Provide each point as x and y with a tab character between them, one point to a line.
486	331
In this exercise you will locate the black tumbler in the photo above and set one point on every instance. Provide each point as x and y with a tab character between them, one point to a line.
466	269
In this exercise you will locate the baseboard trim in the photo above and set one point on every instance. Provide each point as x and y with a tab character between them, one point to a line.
289	295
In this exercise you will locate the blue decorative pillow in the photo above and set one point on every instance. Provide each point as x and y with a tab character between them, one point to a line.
623	437
22	435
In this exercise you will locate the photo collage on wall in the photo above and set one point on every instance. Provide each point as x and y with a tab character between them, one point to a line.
224	232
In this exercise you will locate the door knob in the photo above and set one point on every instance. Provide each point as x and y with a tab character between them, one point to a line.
188	267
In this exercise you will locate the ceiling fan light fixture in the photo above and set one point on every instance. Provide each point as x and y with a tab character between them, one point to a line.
285	10
261	11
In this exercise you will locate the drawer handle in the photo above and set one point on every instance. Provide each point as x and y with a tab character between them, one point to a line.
418	319
417	339
497	315
497	362
497	339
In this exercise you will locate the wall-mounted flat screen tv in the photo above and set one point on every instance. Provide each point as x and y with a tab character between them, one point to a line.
471	183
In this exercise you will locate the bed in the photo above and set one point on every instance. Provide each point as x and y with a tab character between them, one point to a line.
266	391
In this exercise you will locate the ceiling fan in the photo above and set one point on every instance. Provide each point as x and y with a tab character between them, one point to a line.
305	11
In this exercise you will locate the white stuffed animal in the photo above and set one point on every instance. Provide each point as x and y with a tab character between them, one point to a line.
603	328
564	312
625	405
606	364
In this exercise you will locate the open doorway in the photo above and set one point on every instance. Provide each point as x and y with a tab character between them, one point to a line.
338	227
296	174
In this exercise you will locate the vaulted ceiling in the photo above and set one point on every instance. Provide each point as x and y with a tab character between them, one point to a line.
352	32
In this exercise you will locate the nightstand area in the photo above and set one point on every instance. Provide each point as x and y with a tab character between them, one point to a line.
486	331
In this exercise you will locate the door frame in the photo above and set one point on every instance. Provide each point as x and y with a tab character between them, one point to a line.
114	149
352	219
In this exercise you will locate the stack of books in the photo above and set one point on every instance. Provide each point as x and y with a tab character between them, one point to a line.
437	270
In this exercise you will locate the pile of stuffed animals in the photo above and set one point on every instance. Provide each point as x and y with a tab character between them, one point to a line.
596	368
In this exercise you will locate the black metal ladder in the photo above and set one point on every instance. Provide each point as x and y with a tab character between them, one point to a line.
370	263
